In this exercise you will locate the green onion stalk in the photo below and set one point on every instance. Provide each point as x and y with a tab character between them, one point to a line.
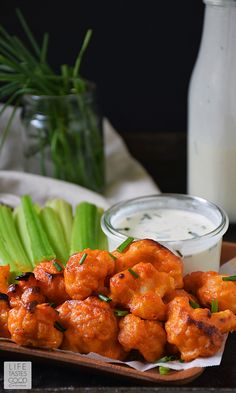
65	131
62	124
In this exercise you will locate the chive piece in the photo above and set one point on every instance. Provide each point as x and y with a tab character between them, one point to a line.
229	278
166	359
181	360
82	259
194	234
133	273
53	305
146	215
112	256
164	370
125	244
214	305
179	253
193	304
57	266
104	298
120	313
59	327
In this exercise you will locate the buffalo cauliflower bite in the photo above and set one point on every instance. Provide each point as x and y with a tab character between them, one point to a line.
196	332
33	325
150	251
50	279
208	286
91	327
148	337
4	278
26	290
141	289
4	311
88	277
179	292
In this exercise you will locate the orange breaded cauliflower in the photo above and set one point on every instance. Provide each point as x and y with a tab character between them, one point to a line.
33	325
82	279
150	251
26	291
4	311
196	332
208	286
179	292
141	289
4	278
91	327
50	277
148	337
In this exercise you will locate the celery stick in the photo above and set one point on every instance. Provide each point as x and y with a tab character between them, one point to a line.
86	232
102	242
53	228
35	238
64	211
21	227
83	231
5	258
11	242
37	207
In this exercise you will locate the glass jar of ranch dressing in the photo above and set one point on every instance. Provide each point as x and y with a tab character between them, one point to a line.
189	226
212	110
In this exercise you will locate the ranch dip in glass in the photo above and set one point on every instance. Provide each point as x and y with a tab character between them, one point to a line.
190	226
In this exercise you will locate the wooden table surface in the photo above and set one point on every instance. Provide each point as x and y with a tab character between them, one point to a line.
164	156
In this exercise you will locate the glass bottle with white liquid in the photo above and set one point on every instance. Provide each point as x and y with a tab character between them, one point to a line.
212	110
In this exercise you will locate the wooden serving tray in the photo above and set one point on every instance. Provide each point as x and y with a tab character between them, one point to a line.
97	366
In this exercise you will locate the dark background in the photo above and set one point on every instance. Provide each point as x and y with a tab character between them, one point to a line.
141	54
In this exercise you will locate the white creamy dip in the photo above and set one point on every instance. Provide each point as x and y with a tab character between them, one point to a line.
176	229
189	226
165	225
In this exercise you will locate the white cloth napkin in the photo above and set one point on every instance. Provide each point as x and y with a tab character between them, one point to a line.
126	178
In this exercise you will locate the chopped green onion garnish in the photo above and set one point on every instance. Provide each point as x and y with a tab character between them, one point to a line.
125	244
193	304
179	253
164	370
166	359
82	259
57	266
104	298
194	234
53	305
59	327
120	313
112	256
229	278
214	305
133	273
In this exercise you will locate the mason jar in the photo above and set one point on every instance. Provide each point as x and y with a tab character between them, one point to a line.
63	138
